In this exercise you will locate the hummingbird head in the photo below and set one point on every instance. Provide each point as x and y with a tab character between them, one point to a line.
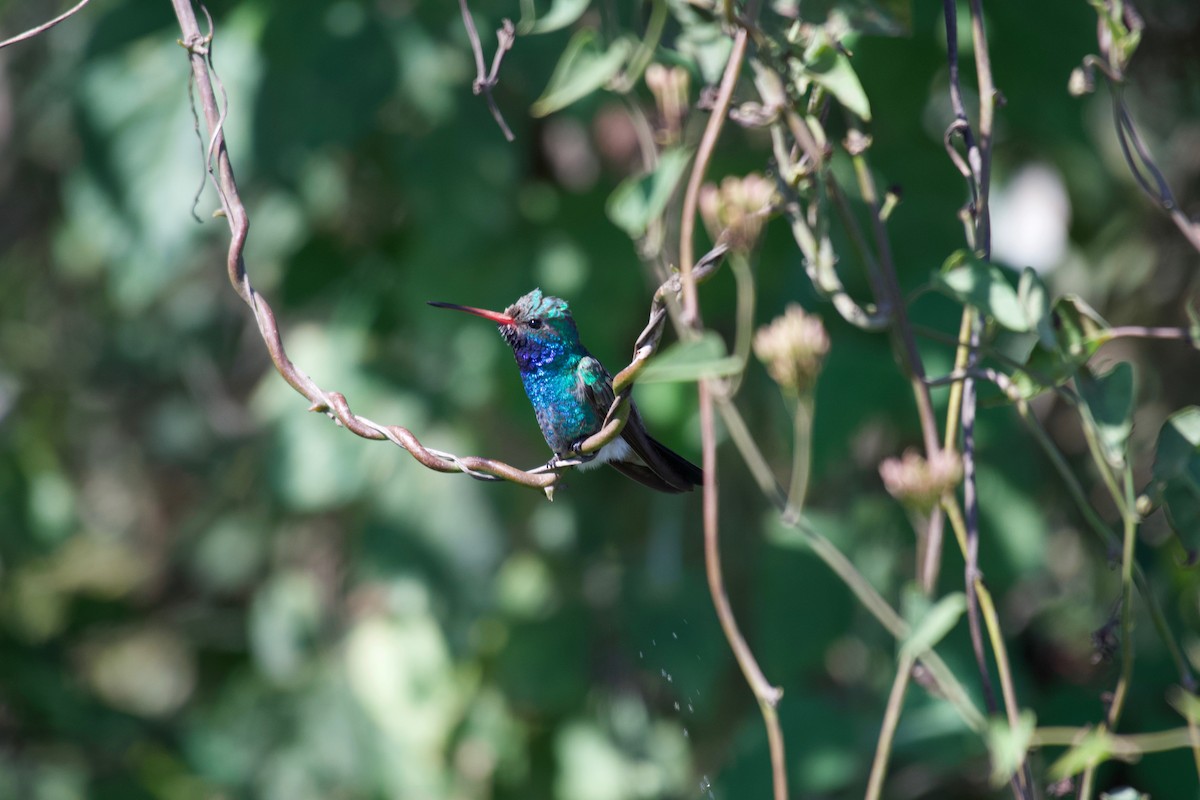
537	327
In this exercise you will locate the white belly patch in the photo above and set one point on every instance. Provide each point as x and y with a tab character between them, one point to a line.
616	450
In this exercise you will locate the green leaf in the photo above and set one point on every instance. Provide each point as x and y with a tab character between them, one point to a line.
933	626
1008	745
1015	346
1035	300
691	361
1096	748
978	283
1046	368
867	17
640	199
1080	329
1109	398
1177	469
561	14
582	69
1078	332
706	44
830	67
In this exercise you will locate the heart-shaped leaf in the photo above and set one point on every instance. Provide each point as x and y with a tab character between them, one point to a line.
691	361
582	69
1109	400
1177	470
561	14
981	284
638	200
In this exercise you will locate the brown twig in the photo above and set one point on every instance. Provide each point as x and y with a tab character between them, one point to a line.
45	26
333	404
765	693
691	196
486	81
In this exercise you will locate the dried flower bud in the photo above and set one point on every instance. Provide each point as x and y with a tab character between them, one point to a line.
793	348
669	85
735	212
919	483
1081	82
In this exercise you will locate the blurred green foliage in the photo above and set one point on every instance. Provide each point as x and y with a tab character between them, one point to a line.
207	592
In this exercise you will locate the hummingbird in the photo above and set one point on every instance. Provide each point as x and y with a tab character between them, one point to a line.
571	393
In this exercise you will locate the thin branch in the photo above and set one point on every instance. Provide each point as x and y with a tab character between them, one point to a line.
333	404
977	171
1129	518
1140	332
486	81
1128	746
942	677
45	26
691	196
931	544
887	730
765	693
768	695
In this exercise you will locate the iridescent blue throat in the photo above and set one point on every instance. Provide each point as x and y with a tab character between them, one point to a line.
548	371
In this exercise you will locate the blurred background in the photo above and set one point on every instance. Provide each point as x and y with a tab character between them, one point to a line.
207	592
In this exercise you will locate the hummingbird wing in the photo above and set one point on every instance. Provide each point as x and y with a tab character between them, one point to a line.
661	468
595	386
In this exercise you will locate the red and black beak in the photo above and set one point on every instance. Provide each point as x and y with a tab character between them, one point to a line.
495	316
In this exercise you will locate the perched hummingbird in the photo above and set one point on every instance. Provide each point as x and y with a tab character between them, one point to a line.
571	393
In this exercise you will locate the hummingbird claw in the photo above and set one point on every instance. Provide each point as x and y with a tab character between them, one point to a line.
556	463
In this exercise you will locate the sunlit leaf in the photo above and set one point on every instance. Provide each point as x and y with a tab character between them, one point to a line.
1095	748
1177	469
582	69
870	17
638	200
1008	745
978	283
1125	38
707	45
1035	301
933	625
1109	398
830	67
561	14
1080	330
691	361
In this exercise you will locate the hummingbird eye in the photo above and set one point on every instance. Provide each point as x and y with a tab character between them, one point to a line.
535	323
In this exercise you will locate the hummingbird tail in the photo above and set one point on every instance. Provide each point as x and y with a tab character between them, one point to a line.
647	477
689	472
667	470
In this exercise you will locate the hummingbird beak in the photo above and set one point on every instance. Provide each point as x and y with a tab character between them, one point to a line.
494	316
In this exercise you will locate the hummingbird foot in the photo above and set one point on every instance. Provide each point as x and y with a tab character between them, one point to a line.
557	463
